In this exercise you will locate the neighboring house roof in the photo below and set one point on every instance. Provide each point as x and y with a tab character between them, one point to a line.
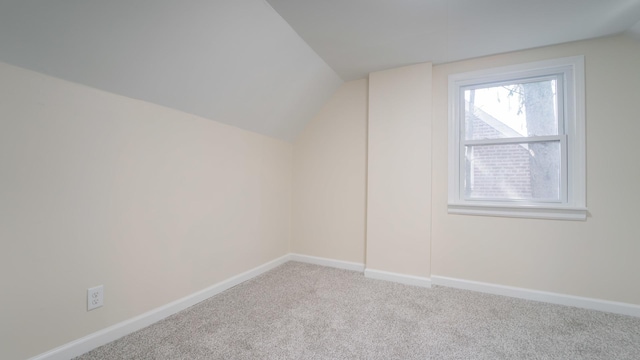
501	127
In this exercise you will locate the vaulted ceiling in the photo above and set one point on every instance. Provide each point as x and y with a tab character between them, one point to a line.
243	63
233	61
356	37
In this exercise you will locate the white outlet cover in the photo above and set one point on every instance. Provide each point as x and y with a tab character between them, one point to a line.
95	297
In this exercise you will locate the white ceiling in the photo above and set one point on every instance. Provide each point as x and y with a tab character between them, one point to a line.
356	37
239	61
233	61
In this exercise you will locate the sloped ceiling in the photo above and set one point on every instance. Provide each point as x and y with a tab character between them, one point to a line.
240	62
233	61
356	37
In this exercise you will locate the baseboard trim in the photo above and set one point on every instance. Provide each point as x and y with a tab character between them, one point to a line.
114	332
542	296
339	264
399	278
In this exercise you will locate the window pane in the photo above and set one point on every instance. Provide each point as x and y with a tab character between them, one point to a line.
525	171
519	109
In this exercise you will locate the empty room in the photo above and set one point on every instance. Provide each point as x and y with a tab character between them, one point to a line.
312	179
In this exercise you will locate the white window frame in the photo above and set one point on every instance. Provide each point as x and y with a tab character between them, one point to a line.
572	204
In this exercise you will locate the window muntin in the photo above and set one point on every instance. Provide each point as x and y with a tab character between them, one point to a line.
517	141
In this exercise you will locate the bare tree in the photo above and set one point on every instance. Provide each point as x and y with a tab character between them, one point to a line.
539	107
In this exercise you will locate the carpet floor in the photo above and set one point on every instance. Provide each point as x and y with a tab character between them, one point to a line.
302	311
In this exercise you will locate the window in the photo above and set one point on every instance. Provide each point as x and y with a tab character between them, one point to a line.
517	141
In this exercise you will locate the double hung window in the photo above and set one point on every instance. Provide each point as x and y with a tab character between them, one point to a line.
516	141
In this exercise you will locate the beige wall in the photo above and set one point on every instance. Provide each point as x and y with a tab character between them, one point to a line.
100	189
399	170
597	258
329	178
156	204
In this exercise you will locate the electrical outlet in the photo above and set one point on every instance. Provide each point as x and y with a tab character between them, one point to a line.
95	297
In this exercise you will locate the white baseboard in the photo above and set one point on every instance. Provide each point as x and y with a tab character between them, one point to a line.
114	332
549	297
346	265
399	278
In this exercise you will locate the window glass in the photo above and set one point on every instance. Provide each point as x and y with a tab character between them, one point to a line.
516	109
521	171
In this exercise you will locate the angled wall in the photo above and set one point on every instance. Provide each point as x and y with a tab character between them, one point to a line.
153	203
329	178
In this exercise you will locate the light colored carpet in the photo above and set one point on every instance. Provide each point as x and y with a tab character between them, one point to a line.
302	311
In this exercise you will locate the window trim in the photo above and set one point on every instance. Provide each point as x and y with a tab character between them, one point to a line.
573	86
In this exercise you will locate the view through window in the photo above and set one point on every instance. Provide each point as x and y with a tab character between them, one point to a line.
517	141
512	140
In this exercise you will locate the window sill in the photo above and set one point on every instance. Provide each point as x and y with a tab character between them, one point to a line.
531	212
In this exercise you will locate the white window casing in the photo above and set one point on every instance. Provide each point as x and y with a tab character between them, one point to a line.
571	202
